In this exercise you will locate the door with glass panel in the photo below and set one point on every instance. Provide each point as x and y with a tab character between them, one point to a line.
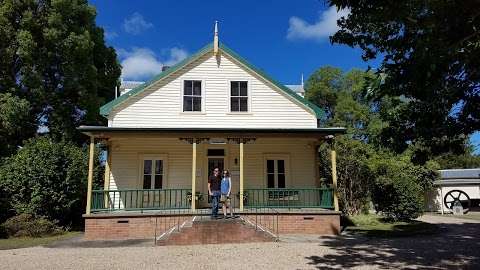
275	173
153	174
276	179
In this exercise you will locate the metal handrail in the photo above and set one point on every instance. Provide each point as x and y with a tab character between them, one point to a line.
264	219
140	199
288	198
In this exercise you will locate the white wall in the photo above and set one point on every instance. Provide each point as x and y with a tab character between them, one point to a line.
162	107
126	156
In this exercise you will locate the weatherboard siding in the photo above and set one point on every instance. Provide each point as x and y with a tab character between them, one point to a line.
126	157
162	107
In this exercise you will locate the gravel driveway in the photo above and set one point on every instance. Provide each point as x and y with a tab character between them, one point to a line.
457	246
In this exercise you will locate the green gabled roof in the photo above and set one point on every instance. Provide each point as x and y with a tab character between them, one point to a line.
107	108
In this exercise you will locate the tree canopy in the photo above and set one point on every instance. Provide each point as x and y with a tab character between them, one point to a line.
430	52
54	57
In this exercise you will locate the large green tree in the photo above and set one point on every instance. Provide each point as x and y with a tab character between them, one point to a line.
344	96
15	122
54	56
430	52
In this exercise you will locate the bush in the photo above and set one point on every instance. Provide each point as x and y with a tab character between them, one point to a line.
353	174
26	225
46	179
399	188
6	210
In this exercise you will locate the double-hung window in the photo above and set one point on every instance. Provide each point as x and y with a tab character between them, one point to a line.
238	96
192	96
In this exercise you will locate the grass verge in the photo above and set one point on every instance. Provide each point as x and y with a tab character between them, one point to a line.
375	226
23	242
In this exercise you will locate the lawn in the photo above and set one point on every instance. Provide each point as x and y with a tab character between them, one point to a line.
376	226
23	242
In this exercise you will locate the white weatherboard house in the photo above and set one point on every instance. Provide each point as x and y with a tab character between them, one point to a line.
213	109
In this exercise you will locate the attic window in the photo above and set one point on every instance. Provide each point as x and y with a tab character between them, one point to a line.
192	96
238	96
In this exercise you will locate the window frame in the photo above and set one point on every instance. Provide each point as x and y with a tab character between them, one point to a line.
153	157
229	101
276	157
202	96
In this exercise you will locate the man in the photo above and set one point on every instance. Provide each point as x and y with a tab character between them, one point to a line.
214	191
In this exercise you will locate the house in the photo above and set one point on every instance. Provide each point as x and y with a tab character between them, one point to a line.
214	109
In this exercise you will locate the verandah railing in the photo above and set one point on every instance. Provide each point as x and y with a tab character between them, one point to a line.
288	198
164	199
140	199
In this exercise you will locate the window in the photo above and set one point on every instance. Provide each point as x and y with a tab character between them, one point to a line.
153	174
216	152
276	173
192	96
238	96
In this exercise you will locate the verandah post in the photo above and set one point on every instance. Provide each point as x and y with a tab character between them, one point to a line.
106	179
334	175
194	168
241	176
90	175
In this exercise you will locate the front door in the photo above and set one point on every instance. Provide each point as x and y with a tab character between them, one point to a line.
214	162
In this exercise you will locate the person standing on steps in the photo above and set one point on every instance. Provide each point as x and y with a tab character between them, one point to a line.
225	189
214	191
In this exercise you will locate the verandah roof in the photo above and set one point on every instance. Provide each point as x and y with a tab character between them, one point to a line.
103	131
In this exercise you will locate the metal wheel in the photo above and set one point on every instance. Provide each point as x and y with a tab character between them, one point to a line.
454	196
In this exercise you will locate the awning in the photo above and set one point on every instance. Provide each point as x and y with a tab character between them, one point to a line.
106	132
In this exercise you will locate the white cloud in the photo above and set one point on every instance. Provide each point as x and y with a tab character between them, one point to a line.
136	24
323	28
110	35
143	63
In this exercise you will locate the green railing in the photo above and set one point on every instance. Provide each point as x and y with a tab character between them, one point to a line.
288	198
140	199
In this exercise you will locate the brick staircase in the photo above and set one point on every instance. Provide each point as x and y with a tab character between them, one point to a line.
206	231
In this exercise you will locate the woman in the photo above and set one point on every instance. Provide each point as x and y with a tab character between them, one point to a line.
225	189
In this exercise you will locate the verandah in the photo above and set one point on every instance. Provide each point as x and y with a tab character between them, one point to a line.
181	198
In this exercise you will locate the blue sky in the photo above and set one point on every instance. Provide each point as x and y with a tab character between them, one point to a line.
284	38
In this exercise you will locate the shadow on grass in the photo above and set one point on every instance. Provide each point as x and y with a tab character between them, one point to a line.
451	246
396	230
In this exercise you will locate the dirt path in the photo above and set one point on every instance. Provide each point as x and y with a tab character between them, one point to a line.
457	246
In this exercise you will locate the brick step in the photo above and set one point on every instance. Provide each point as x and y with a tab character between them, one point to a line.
216	232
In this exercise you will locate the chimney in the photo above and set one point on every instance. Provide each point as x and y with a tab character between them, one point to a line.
165	68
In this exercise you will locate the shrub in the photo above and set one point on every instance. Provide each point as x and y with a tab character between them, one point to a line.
46	179
6	210
353	174
27	225
399	188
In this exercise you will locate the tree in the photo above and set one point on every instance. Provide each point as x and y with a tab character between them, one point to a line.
54	56
452	161
47	179
15	123
344	97
430	53
322	87
353	174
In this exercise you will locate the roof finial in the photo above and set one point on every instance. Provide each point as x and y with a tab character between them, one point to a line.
302	79
215	39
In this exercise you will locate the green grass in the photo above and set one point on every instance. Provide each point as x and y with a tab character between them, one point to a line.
375	226
23	242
